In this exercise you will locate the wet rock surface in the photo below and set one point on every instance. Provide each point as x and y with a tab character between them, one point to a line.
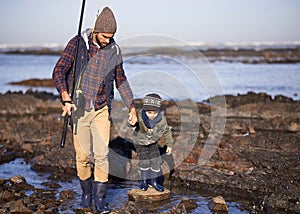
149	196
218	204
14	199
256	160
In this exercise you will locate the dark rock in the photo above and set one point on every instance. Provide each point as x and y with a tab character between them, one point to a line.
227	54
2	181
7	195
66	194
119	156
19	183
18	207
42	196
51	185
178	209
27	147
17	179
189	204
283	99
35	82
5	155
129	207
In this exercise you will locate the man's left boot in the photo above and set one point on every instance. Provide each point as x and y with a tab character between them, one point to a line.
100	190
87	190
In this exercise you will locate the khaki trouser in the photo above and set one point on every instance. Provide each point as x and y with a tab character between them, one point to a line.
93	130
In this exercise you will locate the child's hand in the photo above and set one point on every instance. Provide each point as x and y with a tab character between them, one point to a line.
169	150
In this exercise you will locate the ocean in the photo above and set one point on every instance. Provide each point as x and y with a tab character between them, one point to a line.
176	78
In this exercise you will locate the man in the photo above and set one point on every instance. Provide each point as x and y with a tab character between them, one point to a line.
99	64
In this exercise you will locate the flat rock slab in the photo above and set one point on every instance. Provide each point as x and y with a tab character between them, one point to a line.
151	195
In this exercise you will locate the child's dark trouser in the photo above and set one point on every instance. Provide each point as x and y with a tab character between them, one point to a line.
150	162
149	156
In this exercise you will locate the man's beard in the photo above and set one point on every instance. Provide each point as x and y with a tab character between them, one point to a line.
102	44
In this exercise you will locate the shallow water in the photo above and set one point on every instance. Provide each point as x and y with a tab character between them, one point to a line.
117	192
174	78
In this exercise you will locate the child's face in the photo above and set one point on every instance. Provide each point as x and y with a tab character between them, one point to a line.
151	114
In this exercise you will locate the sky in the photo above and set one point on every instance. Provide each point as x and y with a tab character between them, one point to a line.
199	21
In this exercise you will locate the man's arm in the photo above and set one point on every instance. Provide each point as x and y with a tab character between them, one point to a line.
125	91
62	67
60	71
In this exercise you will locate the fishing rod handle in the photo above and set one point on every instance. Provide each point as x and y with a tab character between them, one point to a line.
64	131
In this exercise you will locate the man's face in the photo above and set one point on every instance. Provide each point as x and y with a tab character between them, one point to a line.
103	39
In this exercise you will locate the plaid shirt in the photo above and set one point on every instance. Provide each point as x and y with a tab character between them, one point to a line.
65	62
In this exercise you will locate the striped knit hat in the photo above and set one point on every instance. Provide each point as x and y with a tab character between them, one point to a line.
152	102
106	22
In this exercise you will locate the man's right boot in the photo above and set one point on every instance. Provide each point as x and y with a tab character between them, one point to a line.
144	175
100	189
87	190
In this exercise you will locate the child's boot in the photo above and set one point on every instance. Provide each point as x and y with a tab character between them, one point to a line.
144	176
154	180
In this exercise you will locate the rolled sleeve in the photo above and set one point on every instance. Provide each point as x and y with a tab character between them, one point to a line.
63	66
123	86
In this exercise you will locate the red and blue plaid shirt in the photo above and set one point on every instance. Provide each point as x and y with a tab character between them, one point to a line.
65	62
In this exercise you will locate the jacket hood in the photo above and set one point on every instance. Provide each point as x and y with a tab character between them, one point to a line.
86	35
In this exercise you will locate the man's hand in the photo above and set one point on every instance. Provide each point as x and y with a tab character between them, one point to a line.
132	118
169	150
67	104
67	108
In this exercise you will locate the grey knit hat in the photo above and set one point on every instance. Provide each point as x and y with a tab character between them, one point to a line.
152	102
106	22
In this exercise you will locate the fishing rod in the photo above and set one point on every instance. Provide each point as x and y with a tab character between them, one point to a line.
72	79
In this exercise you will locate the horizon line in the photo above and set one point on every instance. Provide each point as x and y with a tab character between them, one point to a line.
197	44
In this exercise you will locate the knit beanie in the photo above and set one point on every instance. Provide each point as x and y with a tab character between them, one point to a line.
152	102
106	22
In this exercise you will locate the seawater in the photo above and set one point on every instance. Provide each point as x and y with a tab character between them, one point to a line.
175	78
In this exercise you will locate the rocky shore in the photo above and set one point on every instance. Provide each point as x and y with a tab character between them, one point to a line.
256	161
213	54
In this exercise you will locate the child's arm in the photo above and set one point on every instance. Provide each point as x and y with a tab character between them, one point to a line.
169	139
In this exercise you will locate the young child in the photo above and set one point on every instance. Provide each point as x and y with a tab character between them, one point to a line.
150	127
